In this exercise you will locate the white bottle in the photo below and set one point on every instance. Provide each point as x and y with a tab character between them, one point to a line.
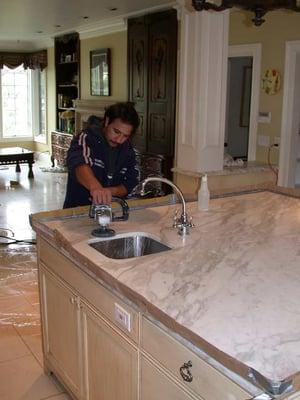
203	195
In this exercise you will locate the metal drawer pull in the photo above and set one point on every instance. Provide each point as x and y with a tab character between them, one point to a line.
185	371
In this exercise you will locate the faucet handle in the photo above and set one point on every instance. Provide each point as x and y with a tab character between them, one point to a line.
125	209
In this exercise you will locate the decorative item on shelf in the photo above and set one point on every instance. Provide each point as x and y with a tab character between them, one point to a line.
271	81
260	8
100	72
68	121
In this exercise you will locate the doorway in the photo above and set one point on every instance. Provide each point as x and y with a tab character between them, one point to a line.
240	56
238	107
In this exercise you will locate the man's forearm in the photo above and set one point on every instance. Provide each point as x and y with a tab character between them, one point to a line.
119	191
99	194
86	177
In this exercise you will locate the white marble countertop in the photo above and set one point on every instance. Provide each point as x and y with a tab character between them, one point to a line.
233	282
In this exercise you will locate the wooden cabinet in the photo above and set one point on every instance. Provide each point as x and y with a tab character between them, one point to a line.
60	316
97	358
67	84
152	60
60	143
186	367
67	73
155	384
90	355
111	362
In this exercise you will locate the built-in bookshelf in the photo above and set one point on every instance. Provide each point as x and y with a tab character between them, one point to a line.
67	77
67	70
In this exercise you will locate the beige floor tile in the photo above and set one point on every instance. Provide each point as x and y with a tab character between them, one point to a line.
18	311
34	343
24	379
10	290
11	345
30	291
63	396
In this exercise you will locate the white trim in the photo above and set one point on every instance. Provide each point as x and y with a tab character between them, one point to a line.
292	48
116	24
16	139
254	51
104	28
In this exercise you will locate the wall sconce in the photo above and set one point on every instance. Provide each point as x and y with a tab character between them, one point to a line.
259	7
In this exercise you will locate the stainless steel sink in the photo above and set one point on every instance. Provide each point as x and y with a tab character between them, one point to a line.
135	245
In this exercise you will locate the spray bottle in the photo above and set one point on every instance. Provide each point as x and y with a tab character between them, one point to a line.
203	195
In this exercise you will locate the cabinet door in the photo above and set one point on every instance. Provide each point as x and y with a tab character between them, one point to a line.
60	314
162	83
156	385
138	75
111	362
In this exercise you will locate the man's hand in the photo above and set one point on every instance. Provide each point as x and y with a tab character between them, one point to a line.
101	195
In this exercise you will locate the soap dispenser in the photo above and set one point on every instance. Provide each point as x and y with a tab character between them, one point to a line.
203	195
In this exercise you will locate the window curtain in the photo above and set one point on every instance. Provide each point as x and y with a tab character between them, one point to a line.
36	60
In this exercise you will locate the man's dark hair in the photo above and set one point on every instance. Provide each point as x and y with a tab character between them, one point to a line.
126	112
93	122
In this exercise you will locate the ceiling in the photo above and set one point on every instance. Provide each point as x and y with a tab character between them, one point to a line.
32	24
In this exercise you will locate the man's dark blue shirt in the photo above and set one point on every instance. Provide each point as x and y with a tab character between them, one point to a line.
111	166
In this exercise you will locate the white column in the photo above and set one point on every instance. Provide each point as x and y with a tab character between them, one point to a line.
202	90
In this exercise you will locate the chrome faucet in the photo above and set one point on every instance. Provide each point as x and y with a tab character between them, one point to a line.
103	214
183	223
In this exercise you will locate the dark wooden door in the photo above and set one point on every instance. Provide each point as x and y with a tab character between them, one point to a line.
152	58
138	75
162	83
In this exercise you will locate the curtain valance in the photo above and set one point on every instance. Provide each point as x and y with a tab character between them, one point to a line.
35	60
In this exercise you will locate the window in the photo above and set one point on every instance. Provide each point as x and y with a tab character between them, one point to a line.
22	104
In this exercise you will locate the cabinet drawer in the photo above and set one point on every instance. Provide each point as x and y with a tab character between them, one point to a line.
93	292
207	382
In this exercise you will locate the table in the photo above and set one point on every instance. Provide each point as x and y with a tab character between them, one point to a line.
17	155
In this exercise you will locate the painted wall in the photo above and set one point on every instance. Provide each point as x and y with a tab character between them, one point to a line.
117	42
280	26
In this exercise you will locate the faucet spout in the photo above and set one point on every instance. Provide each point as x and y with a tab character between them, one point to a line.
182	223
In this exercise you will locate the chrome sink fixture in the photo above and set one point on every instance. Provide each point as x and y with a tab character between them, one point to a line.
103	214
183	223
129	246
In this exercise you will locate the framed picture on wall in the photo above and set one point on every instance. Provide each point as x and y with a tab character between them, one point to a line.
100	72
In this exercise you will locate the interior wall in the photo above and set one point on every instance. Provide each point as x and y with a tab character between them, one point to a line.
280	26
117	42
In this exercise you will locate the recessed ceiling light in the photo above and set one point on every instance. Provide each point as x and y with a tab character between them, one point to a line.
112	9
85	17
39	32
57	26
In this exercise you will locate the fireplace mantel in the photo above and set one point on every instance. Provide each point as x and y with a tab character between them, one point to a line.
85	108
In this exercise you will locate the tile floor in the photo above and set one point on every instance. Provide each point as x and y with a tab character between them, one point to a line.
21	365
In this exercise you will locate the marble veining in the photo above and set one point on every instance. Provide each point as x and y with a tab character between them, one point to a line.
234	281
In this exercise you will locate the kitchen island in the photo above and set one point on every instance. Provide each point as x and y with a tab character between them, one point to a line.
216	317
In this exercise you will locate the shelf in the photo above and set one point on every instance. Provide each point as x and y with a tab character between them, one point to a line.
67	62
68	85
67	76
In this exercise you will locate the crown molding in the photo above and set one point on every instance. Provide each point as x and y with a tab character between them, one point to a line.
117	24
101	28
